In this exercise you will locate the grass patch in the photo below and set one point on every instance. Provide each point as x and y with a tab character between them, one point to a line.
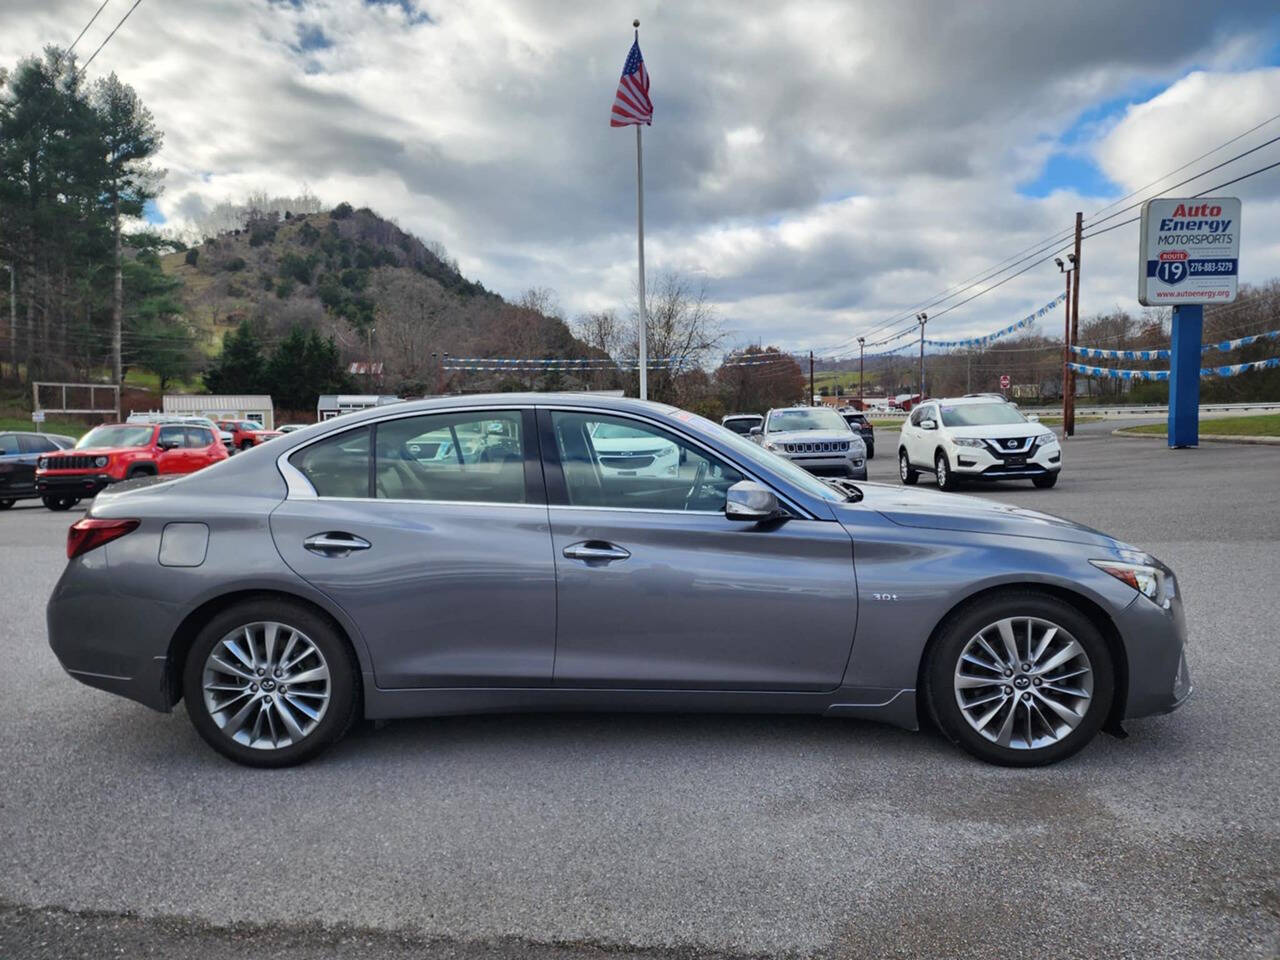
69	428
1260	425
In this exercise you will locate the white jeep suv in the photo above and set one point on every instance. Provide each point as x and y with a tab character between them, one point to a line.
976	438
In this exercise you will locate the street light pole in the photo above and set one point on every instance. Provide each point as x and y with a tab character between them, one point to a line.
1069	420
862	345
13	318
811	400
923	318
1066	344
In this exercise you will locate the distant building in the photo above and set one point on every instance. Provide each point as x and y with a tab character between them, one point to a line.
332	405
222	407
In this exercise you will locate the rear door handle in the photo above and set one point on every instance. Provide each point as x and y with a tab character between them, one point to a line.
335	543
595	550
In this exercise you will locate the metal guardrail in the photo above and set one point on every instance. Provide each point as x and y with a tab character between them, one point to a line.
1139	410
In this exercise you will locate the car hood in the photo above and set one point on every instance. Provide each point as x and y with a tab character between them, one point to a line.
999	431
89	452
811	436
948	511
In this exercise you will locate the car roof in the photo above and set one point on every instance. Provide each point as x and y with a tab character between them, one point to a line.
739	416
966	401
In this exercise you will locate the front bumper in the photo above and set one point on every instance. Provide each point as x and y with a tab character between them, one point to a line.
1155	649
77	484
844	465
979	463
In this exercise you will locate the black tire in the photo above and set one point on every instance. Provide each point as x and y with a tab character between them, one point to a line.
1047	481
142	471
906	473
943	658
246	444
942	472
59	504
344	692
871	449
6	504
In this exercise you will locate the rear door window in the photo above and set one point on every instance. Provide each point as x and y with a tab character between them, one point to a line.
8	444
29	444
198	437
472	456
337	466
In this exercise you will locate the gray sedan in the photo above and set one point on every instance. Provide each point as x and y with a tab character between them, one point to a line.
344	571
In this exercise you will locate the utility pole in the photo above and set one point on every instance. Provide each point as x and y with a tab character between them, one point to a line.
1069	417
811	394
369	360
1066	342
923	318
862	345
13	318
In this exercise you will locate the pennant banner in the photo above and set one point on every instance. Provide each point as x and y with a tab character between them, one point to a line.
1024	322
1228	371
1164	354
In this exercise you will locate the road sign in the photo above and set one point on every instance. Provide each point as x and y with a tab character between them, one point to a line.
37	416
1004	381
1189	251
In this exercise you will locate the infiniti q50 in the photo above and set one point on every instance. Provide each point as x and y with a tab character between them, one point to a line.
347	570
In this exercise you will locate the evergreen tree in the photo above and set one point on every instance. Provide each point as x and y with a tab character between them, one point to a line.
240	368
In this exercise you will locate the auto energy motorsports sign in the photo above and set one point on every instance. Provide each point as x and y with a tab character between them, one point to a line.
1190	251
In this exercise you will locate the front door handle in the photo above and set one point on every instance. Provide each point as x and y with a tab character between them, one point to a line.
335	543
595	550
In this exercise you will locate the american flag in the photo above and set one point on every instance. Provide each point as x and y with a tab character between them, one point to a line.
631	104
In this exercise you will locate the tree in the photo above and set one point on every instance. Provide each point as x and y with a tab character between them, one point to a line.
755	379
683	330
241	367
130	138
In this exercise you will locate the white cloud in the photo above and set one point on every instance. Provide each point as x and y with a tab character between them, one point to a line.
823	165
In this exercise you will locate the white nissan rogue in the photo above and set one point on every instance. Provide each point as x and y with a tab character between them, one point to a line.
976	438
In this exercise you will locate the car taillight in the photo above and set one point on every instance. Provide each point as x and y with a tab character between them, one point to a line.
89	533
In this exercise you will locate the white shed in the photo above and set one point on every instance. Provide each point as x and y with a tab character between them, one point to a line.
223	407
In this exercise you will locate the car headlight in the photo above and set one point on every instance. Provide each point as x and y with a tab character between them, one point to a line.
1148	580
101	461
1045	438
770	445
967	442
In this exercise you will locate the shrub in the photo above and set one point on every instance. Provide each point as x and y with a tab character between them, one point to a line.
342	211
192	257
284	288
308	234
234	265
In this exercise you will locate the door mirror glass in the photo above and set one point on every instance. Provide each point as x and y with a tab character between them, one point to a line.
749	501
928	424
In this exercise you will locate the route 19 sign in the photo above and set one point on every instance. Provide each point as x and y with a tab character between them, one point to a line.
1189	251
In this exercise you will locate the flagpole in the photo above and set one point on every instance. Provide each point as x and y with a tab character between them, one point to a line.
644	313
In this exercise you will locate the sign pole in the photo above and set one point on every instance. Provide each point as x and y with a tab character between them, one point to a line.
1184	376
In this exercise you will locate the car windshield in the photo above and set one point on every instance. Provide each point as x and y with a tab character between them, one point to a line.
618	431
979	414
812	418
118	435
756	454
741	425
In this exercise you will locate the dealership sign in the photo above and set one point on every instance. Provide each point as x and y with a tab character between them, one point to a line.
1190	251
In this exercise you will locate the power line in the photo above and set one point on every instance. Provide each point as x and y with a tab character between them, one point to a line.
110	35
67	52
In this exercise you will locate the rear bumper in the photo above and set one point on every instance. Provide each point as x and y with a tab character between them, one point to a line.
79	484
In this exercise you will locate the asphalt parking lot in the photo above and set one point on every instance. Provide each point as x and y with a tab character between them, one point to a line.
671	836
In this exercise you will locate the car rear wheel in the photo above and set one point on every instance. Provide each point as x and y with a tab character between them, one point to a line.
1045	482
59	503
905	472
270	683
1020	679
942	472
6	504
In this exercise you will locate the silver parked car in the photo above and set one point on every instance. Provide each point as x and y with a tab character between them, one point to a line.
816	438
335	573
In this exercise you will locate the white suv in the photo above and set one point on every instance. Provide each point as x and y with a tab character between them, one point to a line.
976	438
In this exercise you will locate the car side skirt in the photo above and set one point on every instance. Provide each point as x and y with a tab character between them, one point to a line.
885	705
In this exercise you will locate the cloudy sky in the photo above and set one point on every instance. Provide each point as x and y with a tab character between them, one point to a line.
822	166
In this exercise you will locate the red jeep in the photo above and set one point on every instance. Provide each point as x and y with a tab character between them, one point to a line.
121	451
247	433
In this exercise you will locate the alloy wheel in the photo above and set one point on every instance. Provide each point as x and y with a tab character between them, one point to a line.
266	685
1023	683
940	469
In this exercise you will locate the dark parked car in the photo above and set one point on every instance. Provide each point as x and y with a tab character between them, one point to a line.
334	573
860	423
19	452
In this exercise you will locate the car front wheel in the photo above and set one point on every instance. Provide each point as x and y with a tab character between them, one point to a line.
905	472
6	504
942	472
1045	482
1020	679
59	503
270	683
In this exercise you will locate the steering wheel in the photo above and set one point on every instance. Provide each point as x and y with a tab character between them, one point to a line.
698	477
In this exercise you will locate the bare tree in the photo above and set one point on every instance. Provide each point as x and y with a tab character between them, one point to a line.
683	331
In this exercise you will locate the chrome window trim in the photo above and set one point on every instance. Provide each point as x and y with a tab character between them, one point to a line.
472	503
298	487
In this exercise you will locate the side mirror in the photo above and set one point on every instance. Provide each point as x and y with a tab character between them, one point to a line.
1033	418
928	425
756	431
749	501
168	445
